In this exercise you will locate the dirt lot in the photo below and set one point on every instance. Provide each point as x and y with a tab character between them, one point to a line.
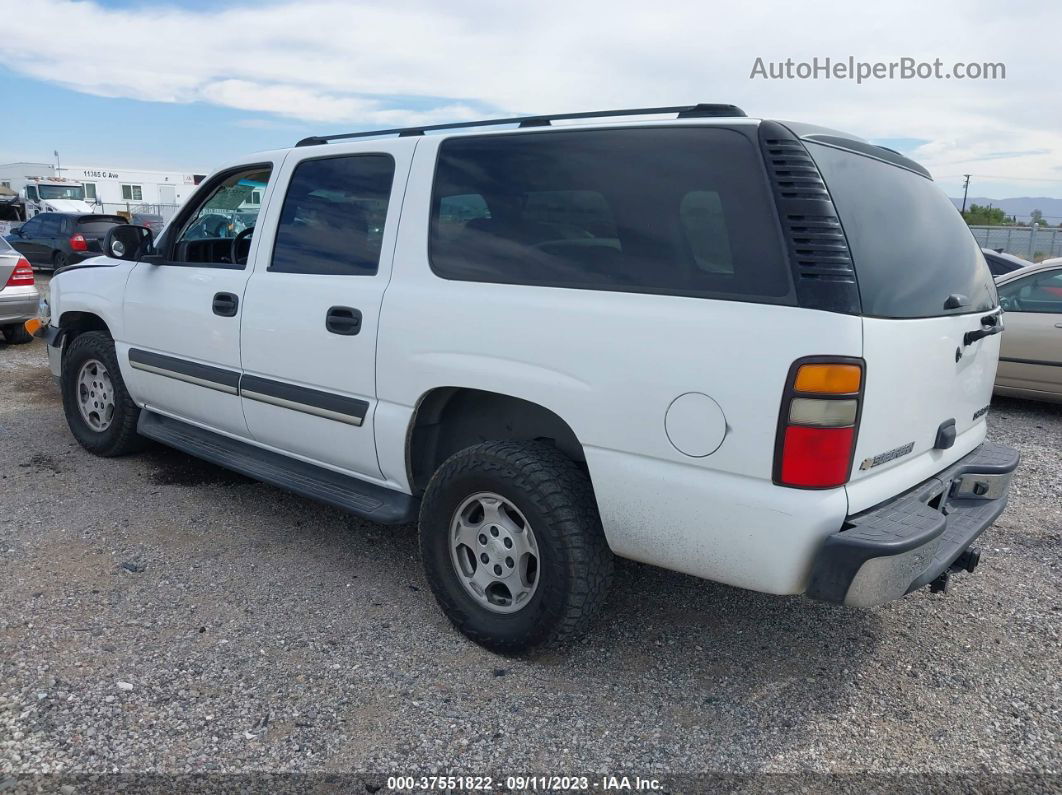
158	613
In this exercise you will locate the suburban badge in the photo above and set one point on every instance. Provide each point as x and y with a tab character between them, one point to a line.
891	455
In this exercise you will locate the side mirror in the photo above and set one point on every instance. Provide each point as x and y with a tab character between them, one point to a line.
127	242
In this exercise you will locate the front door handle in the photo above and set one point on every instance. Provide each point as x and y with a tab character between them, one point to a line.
225	304
343	320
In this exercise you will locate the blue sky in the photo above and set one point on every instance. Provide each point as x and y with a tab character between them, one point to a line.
186	85
92	130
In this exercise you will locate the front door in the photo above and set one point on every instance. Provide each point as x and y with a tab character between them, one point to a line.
313	302
25	240
181	340
1031	353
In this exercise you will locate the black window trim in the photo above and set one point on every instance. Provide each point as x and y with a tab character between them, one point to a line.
748	132
165	245
387	217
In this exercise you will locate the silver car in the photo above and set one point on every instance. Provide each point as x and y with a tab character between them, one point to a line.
19	297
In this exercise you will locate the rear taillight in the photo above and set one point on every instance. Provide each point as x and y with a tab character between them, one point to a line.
77	242
22	275
819	422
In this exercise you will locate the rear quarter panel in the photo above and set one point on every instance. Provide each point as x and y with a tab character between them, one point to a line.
610	364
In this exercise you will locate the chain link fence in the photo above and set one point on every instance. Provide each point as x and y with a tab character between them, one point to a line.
129	209
1032	243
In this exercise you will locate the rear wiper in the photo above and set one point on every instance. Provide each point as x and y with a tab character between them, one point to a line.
990	324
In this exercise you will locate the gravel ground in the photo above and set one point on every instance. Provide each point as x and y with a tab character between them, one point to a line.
160	614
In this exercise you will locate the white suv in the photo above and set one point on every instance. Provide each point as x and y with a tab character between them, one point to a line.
755	352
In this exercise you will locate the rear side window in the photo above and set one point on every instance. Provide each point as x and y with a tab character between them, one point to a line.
50	226
98	225
911	248
680	210
333	216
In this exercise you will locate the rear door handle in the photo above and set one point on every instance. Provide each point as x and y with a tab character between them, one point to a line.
343	320
225	304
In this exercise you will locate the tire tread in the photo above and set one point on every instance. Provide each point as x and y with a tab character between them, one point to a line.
564	495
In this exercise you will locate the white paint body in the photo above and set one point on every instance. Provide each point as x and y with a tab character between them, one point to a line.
610	364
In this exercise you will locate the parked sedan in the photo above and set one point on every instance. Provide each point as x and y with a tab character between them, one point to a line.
1000	263
1030	359
152	221
18	295
55	240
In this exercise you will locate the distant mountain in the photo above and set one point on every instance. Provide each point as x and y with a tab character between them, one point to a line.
1021	206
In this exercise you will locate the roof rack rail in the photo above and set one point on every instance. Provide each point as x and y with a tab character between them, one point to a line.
684	112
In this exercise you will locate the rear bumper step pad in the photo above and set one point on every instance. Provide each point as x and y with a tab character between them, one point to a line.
909	541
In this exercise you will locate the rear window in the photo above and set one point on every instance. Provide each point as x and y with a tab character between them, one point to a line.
680	210
99	224
911	248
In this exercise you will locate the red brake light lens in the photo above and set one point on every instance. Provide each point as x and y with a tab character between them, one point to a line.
816	458
22	275
819	423
77	242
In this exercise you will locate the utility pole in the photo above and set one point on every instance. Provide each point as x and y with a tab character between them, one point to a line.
965	190
58	170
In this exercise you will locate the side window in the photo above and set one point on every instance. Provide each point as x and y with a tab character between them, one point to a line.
333	216
32	227
704	230
674	210
90	191
207	237
1037	292
50	225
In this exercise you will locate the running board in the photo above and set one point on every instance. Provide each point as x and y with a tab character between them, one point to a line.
368	500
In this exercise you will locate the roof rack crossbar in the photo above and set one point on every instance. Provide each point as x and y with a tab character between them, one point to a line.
684	112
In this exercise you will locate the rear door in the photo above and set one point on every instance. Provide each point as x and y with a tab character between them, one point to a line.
1031	356
313	303
924	288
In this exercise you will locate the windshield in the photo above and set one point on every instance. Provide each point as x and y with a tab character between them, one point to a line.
75	192
913	252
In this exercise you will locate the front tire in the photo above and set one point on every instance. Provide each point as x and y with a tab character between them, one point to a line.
16	334
512	545
98	409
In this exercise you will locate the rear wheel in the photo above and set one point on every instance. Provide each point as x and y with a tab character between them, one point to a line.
16	334
59	260
98	409
512	545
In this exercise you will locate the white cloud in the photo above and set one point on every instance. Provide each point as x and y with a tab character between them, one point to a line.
370	62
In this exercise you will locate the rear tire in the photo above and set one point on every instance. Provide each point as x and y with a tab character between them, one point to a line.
514	497
16	334
59	260
98	409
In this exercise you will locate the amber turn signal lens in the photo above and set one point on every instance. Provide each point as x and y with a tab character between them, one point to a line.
32	325
828	379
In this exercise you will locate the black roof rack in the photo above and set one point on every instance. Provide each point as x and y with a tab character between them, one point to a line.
683	111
